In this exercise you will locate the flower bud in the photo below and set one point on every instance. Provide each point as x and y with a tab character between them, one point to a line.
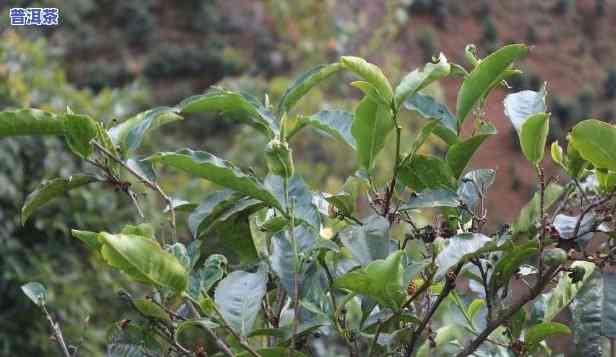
279	158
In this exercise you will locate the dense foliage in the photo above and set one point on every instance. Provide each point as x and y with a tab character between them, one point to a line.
410	269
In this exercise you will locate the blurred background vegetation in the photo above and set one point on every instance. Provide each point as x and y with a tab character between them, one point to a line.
111	59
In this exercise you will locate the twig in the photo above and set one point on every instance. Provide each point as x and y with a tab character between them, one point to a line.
219	342
151	184
238	337
379	328
542	217
590	207
57	333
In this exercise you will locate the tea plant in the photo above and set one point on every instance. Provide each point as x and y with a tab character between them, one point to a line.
411	269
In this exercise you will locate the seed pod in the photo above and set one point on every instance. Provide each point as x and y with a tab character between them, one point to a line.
279	158
554	256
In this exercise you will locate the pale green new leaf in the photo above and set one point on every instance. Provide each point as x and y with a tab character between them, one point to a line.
304	83
148	308
218	171
371	126
596	142
533	136
89	238
479	81
419	79
239	295
143	260
79	130
371	74
541	331
29	121
381	280
36	292
50	190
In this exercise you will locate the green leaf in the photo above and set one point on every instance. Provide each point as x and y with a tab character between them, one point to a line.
475	307
233	105
588	316
509	263
274	352
432	198
427	172
299	193
201	323
89	238
143	229
143	260
204	278
148	308
460	247
427	107
533	136
381	280
474	185
129	134
521	105
424	134
479	81
530	213
304	83
596	142
239	295
419	79
540	332
50	190
345	200
370	128
29	122
286	252
460	154
79	130
212	208
371	73
369	241
608	321
337	123
565	291
370	91
36	292
219	171
444	336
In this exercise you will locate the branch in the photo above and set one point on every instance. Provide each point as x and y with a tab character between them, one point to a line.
57	333
219	342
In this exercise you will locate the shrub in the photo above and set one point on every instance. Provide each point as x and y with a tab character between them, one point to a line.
276	268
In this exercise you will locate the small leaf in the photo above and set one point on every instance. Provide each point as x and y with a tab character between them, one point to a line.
427	172
29	122
334	122
50	190
299	193
371	126
239	296
460	247
150	309
304	83
202	323
424	134
143	260
509	263
460	154
370	91
479	81
432	198
129	134
381	280
565	291
369	241
533	136
419	79
474	185
521	105
233	105
429	108
475	307
36	292
79	130
371	74
530	213
89	238
221	172
540	332
202	280
596	142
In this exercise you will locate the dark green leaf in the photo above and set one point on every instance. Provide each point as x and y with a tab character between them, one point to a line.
608	325
371	73
509	264
587	316
419	79
219	171
286	251
460	154
596	142
530	213
369	241
36	292
304	83
29	122
204	278
429	108
143	260
427	172
232	105
474	185
50	190
460	247
540	332
79	130
334	122
479	81
304	209
424	134
381	280
239	295
371	126
432	198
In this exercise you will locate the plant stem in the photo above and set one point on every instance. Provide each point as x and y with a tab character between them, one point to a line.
151	184
219	342
392	185
379	327
542	217
57	333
